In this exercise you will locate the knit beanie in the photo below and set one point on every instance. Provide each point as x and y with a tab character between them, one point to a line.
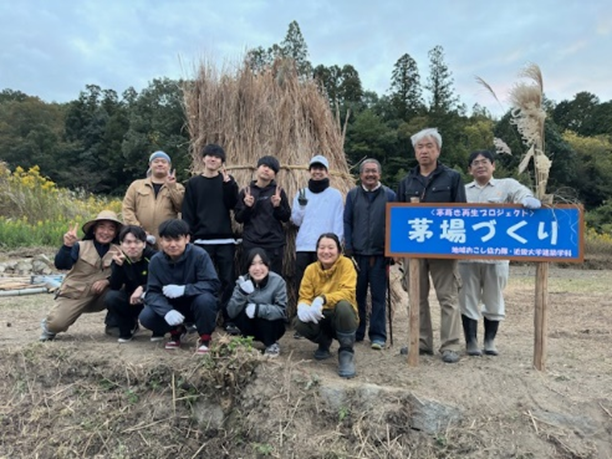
159	154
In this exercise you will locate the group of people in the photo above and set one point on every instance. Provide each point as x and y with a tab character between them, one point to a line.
340	255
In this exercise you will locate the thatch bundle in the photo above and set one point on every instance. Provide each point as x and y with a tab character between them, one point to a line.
274	112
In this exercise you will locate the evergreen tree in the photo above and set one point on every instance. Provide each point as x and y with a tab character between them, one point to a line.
406	94
443	99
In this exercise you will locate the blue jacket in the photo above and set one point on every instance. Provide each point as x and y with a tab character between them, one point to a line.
194	269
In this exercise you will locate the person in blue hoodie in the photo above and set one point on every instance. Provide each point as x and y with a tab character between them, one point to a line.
182	287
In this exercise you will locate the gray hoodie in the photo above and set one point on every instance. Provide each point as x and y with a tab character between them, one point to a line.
270	299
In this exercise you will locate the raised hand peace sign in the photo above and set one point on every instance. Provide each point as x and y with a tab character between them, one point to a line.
275	199
249	200
71	237
226	176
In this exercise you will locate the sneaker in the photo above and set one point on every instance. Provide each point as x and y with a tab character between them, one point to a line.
111	331
125	339
203	349
425	352
45	335
173	343
232	329
157	338
378	345
450	356
272	351
297	335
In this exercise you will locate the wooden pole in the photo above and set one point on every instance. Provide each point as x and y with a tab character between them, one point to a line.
414	299
540	318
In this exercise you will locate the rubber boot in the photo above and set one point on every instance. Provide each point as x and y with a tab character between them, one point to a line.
491	327
324	341
346	355
470	331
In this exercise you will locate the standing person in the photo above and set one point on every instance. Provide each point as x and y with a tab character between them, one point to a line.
262	208
128	280
484	280
317	209
182	286
258	303
89	262
327	308
209	198
364	239
431	181
154	199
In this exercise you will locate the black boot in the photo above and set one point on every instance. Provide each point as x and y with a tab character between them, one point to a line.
470	331
491	327
324	341
346	355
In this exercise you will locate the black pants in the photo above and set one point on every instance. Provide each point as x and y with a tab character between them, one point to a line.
302	260
222	256
266	331
124	313
274	254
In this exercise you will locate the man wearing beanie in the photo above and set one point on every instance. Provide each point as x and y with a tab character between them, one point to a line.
262	208
150	201
209	198
317	209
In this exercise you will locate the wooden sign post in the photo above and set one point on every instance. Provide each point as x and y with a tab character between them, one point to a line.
414	302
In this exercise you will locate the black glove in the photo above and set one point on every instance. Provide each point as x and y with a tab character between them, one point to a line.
302	200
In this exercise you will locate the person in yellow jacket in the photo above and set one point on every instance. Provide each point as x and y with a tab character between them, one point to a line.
327	307
89	262
149	202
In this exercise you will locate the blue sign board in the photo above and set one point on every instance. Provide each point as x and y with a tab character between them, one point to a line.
481	231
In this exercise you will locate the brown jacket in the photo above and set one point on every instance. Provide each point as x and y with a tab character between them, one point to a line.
142	208
87	270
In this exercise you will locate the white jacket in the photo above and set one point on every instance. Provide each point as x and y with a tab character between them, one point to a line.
322	214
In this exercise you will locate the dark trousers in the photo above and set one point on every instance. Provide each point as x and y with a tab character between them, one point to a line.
200	309
125	314
266	331
342	318
222	256
373	274
274	254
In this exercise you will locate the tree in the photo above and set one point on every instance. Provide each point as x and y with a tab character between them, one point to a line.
406	94
294	46
577	115
443	99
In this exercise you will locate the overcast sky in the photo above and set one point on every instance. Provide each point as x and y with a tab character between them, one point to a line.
52	49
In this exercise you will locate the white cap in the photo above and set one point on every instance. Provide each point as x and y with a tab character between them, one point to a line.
319	159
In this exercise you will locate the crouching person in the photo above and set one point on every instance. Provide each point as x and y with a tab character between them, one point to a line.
89	262
128	280
182	287
258	302
327	306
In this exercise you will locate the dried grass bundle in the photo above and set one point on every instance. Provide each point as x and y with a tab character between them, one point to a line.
269	113
529	118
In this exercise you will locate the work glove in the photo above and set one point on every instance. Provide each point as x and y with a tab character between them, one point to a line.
531	203
250	310
302	200
173	291
303	312
174	318
151	239
316	309
246	285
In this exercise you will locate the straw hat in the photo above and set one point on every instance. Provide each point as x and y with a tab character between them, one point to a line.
105	215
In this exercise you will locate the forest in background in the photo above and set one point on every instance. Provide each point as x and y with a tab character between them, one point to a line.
100	142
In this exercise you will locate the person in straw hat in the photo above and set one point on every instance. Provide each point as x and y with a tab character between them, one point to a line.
154	199
89	262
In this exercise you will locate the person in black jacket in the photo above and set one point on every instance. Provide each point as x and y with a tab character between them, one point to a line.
128	280
182	287
209	197
262	208
432	181
364	239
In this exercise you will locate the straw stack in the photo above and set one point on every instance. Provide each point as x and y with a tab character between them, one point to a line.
274	112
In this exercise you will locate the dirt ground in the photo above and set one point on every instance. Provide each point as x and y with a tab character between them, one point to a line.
73	397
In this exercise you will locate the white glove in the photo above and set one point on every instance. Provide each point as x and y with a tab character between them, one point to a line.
173	291
531	203
250	310
317	303
151	239
316	310
303	312
174	318
246	285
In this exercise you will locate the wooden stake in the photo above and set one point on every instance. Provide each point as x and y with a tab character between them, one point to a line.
540	318
414	273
